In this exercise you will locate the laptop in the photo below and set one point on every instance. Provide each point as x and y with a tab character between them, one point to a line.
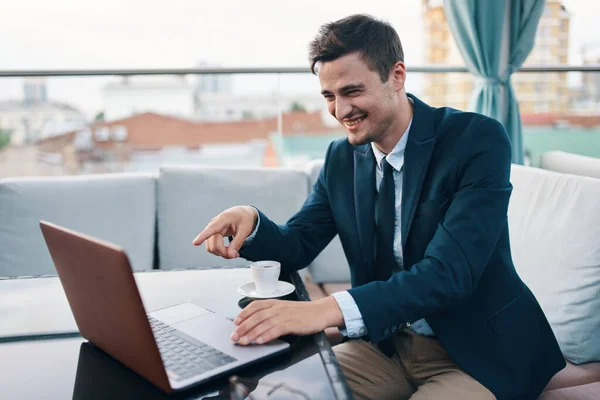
174	348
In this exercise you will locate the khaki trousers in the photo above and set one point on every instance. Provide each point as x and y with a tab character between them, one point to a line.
420	370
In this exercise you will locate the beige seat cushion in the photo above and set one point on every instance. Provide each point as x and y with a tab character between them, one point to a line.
590	391
319	290
574	375
314	290
330	288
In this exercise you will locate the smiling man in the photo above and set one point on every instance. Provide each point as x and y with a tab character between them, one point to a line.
419	197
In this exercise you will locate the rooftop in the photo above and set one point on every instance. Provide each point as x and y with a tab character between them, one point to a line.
151	131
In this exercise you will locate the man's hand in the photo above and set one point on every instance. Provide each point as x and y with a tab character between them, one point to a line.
265	320
238	222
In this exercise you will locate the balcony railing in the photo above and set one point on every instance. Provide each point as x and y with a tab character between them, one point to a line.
263	70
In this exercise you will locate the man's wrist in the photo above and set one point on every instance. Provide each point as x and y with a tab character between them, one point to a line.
254	212
329	309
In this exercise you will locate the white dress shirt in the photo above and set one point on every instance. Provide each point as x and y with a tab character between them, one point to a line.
355	326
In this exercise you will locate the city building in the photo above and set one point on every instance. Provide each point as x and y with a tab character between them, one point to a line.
169	96
588	99
144	142
35	117
547	92
227	106
213	83
216	101
34	90
536	92
205	98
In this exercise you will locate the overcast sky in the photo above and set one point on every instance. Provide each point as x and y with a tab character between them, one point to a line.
76	34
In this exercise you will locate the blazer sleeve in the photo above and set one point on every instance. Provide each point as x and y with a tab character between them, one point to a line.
458	253
304	236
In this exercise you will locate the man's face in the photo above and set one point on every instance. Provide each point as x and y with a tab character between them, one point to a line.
357	98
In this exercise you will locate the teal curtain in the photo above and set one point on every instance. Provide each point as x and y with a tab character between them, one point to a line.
494	38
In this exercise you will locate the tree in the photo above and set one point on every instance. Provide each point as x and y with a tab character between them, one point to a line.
297	107
4	138
99	117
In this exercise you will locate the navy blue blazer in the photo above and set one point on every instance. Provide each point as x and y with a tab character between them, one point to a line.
459	273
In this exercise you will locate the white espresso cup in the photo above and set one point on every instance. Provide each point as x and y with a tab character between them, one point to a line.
265	275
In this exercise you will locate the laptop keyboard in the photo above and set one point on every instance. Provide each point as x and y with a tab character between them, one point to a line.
183	355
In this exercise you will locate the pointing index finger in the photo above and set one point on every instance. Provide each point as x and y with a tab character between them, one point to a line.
210	230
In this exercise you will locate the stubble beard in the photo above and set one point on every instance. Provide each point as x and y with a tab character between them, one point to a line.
372	135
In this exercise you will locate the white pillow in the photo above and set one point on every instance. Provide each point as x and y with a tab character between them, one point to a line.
554	222
331	264
189	197
119	208
569	163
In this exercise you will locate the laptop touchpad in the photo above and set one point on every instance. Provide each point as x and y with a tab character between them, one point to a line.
178	313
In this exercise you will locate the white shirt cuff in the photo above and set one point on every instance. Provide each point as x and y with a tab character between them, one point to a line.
355	326
253	234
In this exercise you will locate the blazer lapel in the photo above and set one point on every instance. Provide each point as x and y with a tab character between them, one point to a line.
421	140
364	199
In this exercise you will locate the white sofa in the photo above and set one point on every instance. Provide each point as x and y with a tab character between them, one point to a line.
554	221
153	217
569	163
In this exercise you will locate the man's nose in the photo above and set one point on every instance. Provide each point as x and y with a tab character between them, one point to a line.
343	108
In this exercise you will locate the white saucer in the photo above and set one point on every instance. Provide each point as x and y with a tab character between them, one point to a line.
249	290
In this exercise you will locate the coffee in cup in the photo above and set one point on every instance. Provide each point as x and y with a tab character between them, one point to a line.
265	275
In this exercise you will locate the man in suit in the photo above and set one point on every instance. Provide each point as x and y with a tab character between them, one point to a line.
419	198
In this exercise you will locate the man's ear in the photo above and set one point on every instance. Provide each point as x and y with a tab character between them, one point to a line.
398	75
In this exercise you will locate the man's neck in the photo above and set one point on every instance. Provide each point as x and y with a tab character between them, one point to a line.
405	113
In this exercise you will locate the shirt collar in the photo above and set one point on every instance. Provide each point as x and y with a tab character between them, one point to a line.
396	156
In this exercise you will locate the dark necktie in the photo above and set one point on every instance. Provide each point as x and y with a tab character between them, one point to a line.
384	258
386	214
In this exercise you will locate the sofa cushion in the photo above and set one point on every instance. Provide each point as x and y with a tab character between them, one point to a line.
190	197
331	264
590	391
569	163
315	292
575	375
118	208
330	288
554	222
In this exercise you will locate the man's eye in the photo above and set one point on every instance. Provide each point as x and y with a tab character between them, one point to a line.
353	93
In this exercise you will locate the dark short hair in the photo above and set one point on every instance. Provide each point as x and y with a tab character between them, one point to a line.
376	41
